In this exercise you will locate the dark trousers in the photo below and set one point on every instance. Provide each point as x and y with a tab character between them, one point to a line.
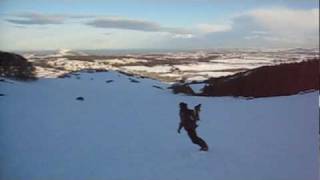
196	139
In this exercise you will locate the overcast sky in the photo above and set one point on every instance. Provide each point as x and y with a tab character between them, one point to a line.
153	24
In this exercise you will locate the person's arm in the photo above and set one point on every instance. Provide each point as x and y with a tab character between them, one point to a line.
180	124
180	127
196	115
197	110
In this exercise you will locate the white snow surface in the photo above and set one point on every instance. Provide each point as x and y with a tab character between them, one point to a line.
207	67
122	61
150	69
124	130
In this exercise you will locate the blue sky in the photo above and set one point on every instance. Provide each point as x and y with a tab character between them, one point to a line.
166	24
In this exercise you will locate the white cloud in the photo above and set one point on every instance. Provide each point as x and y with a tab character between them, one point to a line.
285	26
260	32
183	36
283	20
250	37
274	27
264	27
212	28
259	28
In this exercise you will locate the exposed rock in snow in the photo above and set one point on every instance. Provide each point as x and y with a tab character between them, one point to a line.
80	98
284	79
109	81
133	80
16	67
182	88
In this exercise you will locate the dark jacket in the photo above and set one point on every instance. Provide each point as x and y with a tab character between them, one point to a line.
187	119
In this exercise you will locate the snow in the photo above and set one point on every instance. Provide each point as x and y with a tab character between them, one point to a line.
48	72
28	56
59	53
122	61
209	67
125	130
197	88
163	65
208	74
76	65
150	69
195	78
246	60
169	75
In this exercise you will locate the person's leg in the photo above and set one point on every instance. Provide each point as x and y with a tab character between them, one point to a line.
193	136
203	144
197	140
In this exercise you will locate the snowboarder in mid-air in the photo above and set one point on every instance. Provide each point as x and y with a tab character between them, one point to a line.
188	119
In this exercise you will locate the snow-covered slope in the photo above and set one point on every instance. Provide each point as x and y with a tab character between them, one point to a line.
165	66
127	130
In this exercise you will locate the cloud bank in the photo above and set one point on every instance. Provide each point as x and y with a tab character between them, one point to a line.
35	18
134	24
275	27
272	27
280	25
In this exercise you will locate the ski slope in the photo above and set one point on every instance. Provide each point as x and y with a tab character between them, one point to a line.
127	131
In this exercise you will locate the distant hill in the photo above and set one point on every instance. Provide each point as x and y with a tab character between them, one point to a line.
16	67
266	81
279	80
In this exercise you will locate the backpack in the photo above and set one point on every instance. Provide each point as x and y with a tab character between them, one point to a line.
196	112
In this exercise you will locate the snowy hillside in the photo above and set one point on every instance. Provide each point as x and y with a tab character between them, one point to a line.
124	129
165	66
